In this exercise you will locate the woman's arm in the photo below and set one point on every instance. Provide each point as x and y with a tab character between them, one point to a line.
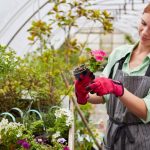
94	99
103	86
135	104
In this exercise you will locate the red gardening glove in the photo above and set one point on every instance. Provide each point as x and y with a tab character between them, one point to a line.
102	86
80	87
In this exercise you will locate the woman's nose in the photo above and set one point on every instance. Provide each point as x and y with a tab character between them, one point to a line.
146	31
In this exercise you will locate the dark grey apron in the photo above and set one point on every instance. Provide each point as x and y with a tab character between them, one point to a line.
125	131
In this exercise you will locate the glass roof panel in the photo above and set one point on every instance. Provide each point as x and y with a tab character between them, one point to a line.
16	17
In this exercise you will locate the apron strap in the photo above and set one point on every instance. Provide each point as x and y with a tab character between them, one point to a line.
120	61
148	71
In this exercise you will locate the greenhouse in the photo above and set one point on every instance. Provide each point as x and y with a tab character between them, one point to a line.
75	75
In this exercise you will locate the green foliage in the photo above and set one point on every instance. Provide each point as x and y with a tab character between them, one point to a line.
9	84
83	140
49	119
42	77
35	78
53	65
37	127
96	59
38	78
66	19
76	10
129	39
95	65
61	123
85	109
8	61
13	134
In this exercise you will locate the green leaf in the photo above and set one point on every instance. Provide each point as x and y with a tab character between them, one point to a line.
88	49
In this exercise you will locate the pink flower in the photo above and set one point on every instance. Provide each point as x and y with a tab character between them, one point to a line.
98	54
66	148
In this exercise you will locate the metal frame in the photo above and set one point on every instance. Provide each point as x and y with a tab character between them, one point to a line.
121	10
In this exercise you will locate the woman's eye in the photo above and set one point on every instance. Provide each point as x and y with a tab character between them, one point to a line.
143	23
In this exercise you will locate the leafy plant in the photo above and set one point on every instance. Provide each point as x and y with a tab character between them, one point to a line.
10	90
83	140
62	123
37	80
37	127
37	77
16	136
65	15
33	134
96	59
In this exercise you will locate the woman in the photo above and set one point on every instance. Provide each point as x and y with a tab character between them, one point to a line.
126	91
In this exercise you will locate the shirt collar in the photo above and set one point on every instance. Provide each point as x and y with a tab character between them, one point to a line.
130	51
148	55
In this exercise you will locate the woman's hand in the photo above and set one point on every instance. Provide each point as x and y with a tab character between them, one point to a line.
80	87
102	86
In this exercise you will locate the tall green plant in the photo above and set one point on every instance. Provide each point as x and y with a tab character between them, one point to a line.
39	76
51	64
42	78
10	89
65	15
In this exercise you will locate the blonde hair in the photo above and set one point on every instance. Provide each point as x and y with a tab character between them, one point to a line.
147	9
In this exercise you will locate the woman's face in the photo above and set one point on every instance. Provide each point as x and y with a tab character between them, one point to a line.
144	29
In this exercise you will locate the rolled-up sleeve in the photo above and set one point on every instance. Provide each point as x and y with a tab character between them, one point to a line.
115	55
147	102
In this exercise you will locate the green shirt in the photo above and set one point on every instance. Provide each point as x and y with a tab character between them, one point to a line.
117	54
